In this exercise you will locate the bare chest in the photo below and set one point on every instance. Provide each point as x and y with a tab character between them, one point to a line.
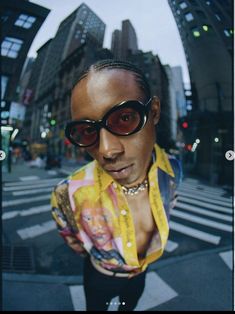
143	221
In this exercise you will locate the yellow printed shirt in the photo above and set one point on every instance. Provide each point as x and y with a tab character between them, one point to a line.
93	216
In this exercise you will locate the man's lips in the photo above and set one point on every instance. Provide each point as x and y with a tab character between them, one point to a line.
120	172
116	169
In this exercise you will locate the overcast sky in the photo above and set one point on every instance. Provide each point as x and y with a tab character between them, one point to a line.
153	21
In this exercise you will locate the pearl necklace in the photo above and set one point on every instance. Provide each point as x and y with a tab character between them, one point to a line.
135	189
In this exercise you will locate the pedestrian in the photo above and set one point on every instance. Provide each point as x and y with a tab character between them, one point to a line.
115	210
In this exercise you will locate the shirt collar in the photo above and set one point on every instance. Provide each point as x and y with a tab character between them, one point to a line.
104	180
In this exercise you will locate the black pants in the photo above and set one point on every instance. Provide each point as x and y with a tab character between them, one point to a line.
100	289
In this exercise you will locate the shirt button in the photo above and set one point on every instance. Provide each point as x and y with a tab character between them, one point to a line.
151	183
129	244
123	212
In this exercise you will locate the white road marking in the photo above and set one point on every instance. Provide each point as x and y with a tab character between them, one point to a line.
26	212
33	191
78	298
203	186
213	200
40	181
29	178
227	257
156	292
186	188
36	230
190	180
201	221
28	187
171	246
195	233
26	200
204	205
205	212
52	172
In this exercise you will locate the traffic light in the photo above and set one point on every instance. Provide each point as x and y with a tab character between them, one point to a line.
52	122
185	125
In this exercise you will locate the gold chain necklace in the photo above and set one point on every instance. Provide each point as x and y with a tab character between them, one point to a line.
135	189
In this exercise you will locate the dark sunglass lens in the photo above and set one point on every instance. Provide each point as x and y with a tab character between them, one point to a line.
83	134
124	120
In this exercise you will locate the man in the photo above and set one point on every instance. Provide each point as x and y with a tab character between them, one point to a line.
115	210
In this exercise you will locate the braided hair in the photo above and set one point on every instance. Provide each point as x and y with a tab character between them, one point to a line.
122	65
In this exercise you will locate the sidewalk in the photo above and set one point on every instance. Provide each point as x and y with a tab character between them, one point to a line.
201	281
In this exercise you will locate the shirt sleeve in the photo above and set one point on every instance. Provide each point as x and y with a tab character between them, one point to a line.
66	229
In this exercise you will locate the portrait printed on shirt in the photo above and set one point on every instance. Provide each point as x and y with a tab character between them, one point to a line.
96	222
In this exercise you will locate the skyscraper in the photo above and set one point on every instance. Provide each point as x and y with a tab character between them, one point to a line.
116	43
21	21
81	27
124	42
206	31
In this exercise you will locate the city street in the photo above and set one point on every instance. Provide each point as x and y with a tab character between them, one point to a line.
201	222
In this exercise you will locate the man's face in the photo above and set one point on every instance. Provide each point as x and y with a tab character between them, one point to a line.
125	158
94	222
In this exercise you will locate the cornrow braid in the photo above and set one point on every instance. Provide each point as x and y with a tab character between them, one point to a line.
122	65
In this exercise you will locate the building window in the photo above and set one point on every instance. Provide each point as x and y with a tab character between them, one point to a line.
218	17
183	5
193	2
11	47
25	21
196	32
189	17
201	14
226	32
207	28
4	81
5	15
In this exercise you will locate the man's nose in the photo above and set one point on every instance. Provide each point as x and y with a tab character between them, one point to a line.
110	145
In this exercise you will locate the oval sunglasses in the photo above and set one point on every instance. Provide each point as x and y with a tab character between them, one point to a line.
125	118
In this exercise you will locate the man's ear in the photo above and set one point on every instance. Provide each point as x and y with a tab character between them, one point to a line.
155	109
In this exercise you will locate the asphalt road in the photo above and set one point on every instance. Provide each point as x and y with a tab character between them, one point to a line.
201	220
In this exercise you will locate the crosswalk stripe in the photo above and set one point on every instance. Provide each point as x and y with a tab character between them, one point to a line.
204	205
190	180
36	230
26	200
52	172
201	221
156	292
78	298
26	212
227	257
29	178
202	185
204	212
17	183
171	246
206	199
205	194
34	191
186	188
28	187
195	233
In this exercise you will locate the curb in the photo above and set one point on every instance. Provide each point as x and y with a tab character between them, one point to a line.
78	280
177	259
67	280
